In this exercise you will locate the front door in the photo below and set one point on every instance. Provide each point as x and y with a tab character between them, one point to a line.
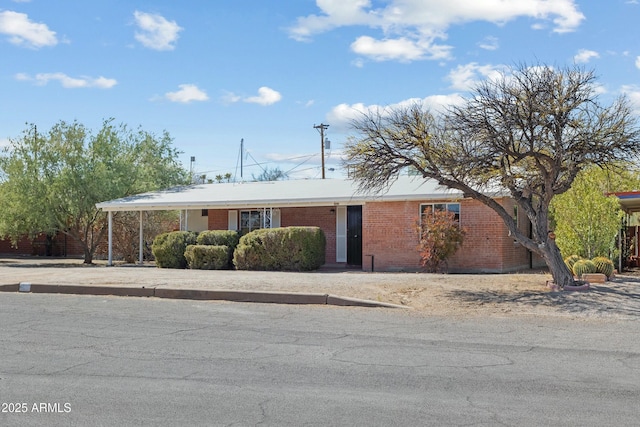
354	235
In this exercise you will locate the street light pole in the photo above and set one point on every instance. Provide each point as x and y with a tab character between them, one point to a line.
321	127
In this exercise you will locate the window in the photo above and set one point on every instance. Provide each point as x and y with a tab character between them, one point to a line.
250	220
253	220
450	207
205	212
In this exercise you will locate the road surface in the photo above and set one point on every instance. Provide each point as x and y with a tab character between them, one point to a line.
86	360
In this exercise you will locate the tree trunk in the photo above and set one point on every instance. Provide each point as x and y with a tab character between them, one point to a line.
561	274
88	255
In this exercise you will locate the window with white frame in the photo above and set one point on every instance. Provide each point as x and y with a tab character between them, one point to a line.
258	218
251	220
449	207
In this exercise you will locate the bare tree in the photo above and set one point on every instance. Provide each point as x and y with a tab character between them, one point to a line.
274	174
527	133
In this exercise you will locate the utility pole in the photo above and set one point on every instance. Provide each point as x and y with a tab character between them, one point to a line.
241	155
321	127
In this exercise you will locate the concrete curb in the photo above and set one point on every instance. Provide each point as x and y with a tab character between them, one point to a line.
198	294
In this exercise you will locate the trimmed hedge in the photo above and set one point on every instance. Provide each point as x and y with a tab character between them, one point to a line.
281	249
207	257
219	238
228	238
168	248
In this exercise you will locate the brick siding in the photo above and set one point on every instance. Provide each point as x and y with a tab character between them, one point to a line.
390	235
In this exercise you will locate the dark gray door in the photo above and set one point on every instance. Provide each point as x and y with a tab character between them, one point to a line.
354	235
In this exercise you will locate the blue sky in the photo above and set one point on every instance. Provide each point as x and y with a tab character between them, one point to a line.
214	72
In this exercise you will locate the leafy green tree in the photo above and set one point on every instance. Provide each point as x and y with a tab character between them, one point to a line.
587	217
51	182
528	132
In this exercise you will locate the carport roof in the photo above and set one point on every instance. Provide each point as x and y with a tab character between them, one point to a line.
315	192
629	200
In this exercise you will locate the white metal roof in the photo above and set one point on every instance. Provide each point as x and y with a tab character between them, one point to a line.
315	192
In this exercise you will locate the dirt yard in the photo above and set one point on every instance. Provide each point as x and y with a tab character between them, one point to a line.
425	294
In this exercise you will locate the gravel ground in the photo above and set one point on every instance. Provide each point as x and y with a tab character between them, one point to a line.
426	294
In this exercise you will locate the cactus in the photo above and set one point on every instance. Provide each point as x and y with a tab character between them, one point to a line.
583	266
570	261
603	265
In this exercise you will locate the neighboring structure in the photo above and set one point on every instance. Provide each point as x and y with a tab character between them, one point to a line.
628	236
58	245
371	232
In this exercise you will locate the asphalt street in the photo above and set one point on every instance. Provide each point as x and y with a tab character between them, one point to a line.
90	360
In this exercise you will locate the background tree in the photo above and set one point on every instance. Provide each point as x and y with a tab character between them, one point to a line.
51	182
587	217
274	174
126	232
528	132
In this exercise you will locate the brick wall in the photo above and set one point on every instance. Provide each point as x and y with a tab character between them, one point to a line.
312	216
218	219
24	247
390	236
60	245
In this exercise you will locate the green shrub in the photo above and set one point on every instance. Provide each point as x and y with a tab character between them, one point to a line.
281	249
219	238
168	248
207	257
604	265
228	238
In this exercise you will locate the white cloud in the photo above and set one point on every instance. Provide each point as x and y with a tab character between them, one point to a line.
67	81
413	29
230	98
266	96
187	93
341	116
632	92
638	62
465	77
489	43
156	32
24	32
585	55
401	49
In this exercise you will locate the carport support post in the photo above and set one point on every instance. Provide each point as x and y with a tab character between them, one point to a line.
141	255
110	261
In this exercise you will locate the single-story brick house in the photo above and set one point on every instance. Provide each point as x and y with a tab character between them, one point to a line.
370	232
